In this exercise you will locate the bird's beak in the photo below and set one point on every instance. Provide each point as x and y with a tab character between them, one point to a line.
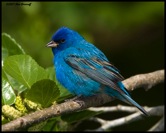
52	44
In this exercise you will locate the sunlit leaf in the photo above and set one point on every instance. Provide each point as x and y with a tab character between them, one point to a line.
24	69
8	94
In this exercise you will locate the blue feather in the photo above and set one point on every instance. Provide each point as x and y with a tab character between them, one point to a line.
84	70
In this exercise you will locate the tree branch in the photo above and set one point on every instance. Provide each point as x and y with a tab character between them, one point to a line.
121	108
159	126
107	124
142	80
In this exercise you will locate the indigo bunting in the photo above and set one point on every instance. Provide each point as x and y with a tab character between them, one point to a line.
84	70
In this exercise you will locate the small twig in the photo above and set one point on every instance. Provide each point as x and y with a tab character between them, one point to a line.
149	80
159	126
99	120
130	109
107	124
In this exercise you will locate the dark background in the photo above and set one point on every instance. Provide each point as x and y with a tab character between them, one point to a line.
131	34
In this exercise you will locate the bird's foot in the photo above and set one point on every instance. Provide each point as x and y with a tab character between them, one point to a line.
76	99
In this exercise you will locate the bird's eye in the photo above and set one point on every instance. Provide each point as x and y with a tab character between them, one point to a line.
62	40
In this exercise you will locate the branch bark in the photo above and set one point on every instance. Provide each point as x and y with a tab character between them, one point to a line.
142	80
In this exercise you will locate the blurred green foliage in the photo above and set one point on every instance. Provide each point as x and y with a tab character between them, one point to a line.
112	26
131	34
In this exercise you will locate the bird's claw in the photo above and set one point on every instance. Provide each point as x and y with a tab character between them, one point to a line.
76	99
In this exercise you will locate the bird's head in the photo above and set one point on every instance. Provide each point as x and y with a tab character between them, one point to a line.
64	38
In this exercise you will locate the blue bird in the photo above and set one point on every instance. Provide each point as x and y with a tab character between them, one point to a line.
84	70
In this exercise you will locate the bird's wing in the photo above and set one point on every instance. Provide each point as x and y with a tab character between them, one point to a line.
96	69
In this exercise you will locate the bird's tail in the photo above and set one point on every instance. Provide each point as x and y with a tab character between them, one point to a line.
130	100
124	96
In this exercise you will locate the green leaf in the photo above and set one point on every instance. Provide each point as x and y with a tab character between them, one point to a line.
44	92
10	46
64	93
8	94
15	84
77	116
51	73
24	69
51	125
55	124
37	127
